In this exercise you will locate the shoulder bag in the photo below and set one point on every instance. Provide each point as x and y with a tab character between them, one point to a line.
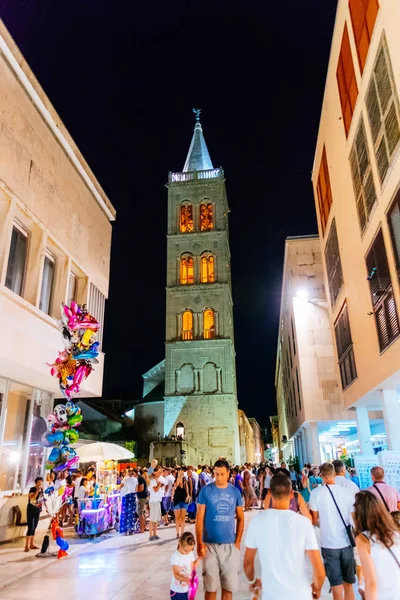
347	527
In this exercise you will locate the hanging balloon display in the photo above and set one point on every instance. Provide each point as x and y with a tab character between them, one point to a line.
73	365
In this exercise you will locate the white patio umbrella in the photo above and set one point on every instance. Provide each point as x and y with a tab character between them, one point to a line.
101	451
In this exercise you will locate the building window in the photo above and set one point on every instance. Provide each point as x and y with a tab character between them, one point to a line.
180	431
186	269
293	337
383	112
187	325
363	16
206	216
394	226
344	345
46	292
186	218
324	192
96	306
207	268
71	294
380	285
363	181
333	264
346	78
208	324
17	259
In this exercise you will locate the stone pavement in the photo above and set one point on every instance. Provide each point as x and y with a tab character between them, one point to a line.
111	567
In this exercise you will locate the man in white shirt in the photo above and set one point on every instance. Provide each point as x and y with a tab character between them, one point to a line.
283	538
340	479
156	490
337	550
169	481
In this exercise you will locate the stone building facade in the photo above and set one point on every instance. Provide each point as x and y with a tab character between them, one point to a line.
55	242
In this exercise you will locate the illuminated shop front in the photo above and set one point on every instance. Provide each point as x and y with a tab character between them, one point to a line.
23	413
341	439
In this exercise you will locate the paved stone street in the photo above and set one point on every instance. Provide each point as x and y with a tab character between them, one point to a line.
108	568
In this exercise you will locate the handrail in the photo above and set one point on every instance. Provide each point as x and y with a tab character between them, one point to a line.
195	175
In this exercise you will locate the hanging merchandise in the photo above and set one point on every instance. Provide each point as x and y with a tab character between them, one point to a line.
73	365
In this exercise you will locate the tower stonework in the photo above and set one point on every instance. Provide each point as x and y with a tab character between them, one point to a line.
200	370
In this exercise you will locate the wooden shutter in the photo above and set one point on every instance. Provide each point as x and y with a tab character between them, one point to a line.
346	78
383	112
363	16
344	345
394	226
333	264
324	191
380	284
363	181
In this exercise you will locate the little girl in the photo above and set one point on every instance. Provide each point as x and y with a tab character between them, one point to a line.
183	562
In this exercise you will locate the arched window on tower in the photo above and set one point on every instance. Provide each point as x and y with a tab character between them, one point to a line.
207	261
186	218
206	216
180	431
186	274
187	325
208	324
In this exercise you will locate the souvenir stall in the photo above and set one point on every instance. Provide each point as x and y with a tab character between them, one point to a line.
100	512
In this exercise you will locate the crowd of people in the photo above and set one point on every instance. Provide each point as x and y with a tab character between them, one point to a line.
320	513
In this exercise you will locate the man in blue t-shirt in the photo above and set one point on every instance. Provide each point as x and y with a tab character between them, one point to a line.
217	542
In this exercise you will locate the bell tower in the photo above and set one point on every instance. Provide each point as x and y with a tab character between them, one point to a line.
200	370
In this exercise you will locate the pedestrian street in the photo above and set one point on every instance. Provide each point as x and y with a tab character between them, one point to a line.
111	567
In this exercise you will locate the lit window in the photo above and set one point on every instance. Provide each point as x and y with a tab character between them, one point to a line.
206	217
47	283
346	78
71	297
207	268
187	325
186	218
208	324
363	17
187	270
17	260
324	191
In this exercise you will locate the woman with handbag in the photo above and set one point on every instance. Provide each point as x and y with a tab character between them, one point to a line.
378	544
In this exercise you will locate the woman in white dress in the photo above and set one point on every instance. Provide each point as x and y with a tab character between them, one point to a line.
378	544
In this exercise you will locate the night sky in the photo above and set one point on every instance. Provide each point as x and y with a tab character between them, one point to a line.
124	75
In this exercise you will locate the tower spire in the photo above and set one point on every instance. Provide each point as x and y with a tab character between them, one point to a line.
198	158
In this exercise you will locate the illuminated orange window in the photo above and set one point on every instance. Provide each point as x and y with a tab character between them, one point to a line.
324	191
187	270
208	324
187	325
186	218
363	16
206	217
207	268
346	78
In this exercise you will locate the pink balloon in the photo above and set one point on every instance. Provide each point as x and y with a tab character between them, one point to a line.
193	585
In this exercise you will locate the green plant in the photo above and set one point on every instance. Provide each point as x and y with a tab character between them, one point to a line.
349	462
130	446
294	462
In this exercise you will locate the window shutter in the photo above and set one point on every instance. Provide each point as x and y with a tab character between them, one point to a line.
363	16
344	345
382	299
333	264
347	83
383	112
394	227
363	182
324	191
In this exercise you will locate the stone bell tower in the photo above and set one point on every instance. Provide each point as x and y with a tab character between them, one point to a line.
200	370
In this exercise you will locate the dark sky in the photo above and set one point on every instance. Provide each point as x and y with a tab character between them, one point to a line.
123	76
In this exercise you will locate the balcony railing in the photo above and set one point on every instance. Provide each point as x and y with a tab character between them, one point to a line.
195	175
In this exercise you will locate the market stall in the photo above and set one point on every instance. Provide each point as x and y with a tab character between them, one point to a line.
100	512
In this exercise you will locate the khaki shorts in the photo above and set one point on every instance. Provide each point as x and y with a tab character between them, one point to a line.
155	511
221	567
142	502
